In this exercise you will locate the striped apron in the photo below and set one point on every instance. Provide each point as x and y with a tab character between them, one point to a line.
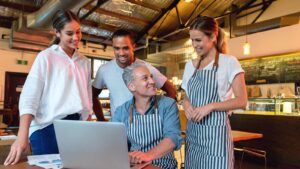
208	142
146	132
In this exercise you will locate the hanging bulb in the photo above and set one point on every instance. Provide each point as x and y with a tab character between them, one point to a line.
246	48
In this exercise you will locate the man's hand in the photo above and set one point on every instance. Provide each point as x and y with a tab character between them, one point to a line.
137	157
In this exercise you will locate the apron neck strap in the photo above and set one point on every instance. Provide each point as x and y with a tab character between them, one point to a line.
133	103
216	62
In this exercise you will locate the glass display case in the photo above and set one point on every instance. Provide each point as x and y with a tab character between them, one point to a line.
278	106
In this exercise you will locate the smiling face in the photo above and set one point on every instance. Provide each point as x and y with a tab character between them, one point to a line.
201	42
123	50
142	83
70	36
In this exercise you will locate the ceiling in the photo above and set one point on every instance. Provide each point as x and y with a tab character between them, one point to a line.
154	20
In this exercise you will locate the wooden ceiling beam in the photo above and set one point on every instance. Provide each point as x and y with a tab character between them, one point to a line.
85	35
155	20
119	16
101	26
99	3
97	39
145	4
89	23
17	6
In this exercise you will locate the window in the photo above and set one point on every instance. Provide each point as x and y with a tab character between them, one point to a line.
96	63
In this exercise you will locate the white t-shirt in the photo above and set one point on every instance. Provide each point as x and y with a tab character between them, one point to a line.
228	68
110	76
56	86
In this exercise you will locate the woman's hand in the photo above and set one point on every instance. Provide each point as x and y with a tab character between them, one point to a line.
137	157
16	150
21	144
188	109
201	112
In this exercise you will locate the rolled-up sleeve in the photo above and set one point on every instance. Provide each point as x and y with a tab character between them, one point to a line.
234	68
33	88
119	115
99	81
171	123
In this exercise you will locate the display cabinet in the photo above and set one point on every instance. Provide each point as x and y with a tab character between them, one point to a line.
274	105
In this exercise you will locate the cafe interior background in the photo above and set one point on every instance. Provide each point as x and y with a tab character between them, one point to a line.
263	34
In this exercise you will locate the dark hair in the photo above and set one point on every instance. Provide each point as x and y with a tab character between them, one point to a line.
209	26
60	19
122	33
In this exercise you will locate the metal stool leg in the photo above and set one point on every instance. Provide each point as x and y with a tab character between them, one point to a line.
183	134
242	158
255	152
266	161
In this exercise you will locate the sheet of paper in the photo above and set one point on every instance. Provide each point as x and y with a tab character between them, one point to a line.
45	161
8	137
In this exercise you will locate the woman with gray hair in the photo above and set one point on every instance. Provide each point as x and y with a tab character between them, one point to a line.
152	122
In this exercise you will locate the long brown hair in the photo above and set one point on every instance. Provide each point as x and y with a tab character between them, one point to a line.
209	26
60	19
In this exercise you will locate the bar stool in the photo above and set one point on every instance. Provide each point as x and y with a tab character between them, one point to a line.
183	135
253	152
183	123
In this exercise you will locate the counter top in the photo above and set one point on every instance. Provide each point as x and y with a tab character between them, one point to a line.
268	113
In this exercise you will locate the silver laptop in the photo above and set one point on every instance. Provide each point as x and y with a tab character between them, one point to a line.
92	145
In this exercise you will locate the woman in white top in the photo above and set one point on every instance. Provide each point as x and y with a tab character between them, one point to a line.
209	81
57	87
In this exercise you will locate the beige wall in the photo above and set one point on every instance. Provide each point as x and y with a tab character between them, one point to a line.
280	8
8	59
272	42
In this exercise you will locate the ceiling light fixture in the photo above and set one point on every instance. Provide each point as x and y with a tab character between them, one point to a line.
188	1
246	46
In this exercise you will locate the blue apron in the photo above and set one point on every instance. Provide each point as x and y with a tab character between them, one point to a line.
146	132
208	142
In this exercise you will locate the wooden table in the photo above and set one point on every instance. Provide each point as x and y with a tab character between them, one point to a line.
242	135
25	165
6	142
236	135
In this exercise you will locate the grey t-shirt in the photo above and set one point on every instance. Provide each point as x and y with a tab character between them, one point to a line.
110	76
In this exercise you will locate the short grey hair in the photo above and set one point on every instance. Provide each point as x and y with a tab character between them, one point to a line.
128	71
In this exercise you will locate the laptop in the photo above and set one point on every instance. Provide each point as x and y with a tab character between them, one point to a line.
93	145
